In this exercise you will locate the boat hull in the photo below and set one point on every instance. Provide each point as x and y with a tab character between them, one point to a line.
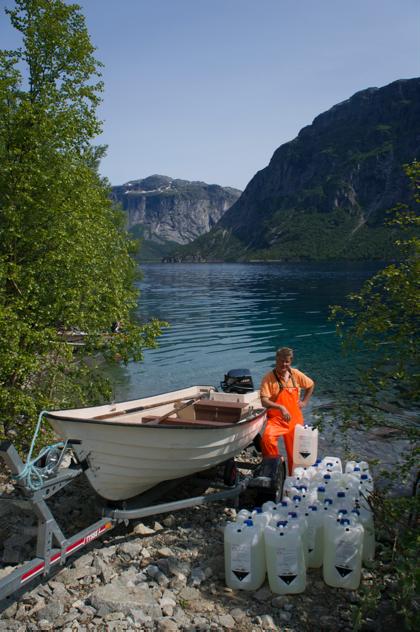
126	459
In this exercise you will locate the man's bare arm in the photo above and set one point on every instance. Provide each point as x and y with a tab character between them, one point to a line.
268	403
308	394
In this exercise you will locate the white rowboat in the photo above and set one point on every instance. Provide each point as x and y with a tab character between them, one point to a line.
132	446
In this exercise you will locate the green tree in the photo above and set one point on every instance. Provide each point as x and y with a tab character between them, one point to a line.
65	256
384	317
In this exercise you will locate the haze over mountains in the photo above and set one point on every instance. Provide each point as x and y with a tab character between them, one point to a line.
324	195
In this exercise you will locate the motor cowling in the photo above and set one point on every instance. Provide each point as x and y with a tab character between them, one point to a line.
237	381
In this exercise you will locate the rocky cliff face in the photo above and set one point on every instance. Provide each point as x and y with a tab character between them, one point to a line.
325	194
169	210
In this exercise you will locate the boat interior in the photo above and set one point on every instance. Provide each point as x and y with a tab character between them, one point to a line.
214	409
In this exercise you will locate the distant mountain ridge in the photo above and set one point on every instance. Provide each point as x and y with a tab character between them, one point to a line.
325	194
166	212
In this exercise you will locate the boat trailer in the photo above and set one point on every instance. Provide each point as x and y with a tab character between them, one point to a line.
53	548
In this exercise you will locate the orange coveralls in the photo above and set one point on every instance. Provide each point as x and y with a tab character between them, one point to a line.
286	394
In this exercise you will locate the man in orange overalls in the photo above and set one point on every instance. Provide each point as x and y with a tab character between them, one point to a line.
280	393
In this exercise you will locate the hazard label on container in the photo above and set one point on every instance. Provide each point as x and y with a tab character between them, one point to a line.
286	562
305	444
343	571
287	579
241	560
345	557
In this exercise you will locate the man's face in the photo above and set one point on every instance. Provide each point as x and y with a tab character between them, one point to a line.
283	363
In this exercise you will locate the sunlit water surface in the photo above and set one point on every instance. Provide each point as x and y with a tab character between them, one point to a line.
226	316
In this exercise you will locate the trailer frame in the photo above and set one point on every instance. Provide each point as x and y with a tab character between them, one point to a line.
53	548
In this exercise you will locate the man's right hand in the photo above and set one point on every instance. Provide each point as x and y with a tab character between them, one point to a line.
284	412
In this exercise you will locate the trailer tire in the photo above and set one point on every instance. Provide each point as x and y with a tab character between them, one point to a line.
230	474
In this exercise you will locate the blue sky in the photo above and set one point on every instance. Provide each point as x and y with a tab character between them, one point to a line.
208	89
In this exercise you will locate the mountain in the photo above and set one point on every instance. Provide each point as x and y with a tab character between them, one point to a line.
325	194
165	212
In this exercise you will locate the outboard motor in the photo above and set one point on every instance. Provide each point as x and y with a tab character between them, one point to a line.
237	381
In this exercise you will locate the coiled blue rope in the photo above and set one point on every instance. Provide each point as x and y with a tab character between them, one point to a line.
32	475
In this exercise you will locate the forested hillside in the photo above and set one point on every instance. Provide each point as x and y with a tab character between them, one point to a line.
326	194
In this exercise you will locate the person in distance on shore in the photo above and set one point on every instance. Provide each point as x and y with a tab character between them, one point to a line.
281	394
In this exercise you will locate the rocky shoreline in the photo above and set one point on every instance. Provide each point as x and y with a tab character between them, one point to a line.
163	574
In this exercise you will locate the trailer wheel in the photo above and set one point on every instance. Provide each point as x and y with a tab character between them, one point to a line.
279	481
230	475
275	491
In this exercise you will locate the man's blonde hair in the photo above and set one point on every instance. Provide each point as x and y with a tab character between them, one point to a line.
284	352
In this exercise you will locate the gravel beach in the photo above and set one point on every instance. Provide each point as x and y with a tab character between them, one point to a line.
162	574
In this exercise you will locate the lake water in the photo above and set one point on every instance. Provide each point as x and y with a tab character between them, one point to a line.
226	316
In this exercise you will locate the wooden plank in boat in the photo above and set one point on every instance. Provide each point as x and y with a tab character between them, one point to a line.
153	420
220	411
136	409
214	403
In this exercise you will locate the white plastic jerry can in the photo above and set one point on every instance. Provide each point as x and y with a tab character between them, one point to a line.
296	502
329	517
286	566
282	509
343	555
242	515
366	485
308	495
329	522
260	518
244	555
365	517
337	478
269	506
327	481
321	493
297	520
350	484
327	508
315	537
344	501
332	464
313	470
302	472
361	466
305	445
290	485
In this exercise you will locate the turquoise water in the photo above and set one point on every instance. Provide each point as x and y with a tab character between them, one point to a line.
225	316
235	316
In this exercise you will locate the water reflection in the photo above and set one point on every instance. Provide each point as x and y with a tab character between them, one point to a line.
236	315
